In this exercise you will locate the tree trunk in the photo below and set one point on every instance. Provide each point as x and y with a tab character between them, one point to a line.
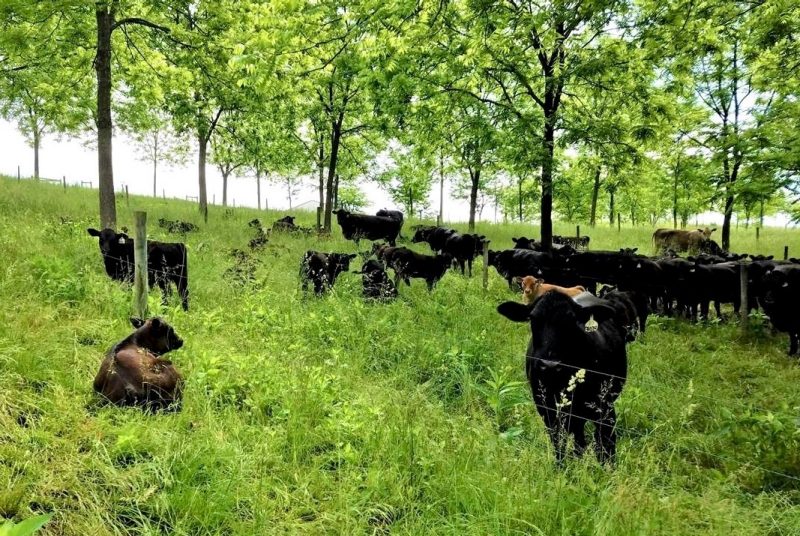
475	175
102	65
761	214
336	191
37	140
258	187
675	199
289	192
336	134
548	143
519	197
441	187
225	174
595	195
155	163
611	206
726	222
321	179
201	173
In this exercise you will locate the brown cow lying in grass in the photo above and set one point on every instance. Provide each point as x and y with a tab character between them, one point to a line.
533	288
133	372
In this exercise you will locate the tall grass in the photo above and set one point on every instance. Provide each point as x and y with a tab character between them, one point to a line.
335	416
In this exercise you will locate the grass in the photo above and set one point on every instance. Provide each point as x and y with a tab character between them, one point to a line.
333	416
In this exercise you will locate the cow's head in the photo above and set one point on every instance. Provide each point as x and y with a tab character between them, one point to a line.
255	223
156	335
530	288
340	262
707	232
108	239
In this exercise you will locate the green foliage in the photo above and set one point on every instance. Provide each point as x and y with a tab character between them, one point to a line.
333	415
24	528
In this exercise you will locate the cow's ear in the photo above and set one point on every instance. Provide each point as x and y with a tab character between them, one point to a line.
515	311
514	239
538	281
92	231
136	322
155	322
770	257
712	230
352	256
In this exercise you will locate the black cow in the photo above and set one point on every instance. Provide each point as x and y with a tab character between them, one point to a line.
261	236
435	237
376	283
631	307
407	264
394	214
577	242
464	248
511	263
358	226
166	262
526	243
285	224
576	370
322	269
781	294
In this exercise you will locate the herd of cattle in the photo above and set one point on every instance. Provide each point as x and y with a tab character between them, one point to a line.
582	306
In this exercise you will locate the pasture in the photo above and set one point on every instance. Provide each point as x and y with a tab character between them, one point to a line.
335	416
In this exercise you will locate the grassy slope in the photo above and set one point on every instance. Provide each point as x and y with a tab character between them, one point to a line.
334	416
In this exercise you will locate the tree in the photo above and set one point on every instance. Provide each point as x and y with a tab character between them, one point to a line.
408	178
530	55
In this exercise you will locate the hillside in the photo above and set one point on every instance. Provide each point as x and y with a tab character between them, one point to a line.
332	416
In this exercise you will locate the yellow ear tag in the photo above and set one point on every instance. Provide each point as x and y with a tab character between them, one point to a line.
591	325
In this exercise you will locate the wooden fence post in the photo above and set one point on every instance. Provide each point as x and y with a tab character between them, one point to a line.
163	193
266	203
743	306
19	175
319	218
577	231
127	197
214	199
486	264
64	182
786	253
619	222
140	289
758	229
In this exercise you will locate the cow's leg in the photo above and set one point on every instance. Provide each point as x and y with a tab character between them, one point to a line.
718	309
469	265
182	283
605	437
393	241
430	283
577	428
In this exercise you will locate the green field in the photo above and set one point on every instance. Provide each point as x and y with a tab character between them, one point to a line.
333	416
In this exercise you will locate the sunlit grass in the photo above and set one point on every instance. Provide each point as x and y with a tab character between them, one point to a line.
334	416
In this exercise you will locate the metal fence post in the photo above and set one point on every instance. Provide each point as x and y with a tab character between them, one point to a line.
486	264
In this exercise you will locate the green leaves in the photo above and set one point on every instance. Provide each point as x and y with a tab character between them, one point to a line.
24	528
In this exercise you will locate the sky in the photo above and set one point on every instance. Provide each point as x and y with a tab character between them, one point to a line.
70	158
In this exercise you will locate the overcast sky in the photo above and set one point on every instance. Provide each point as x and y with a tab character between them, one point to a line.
70	158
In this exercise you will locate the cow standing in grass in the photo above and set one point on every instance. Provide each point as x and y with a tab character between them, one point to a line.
358	226
166	262
576	368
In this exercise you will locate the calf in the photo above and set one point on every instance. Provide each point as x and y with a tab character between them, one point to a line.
781	294
576	372
133	373
533	289
375	281
407	264
358	226
322	269
526	243
166	262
